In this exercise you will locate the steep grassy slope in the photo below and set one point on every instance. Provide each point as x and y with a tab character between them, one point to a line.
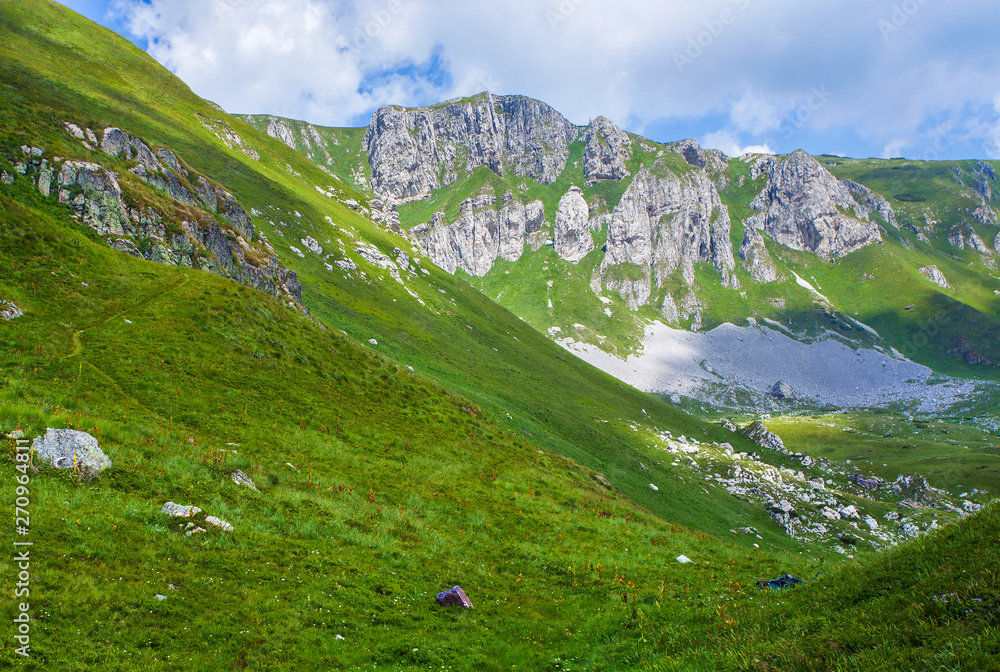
458	338
380	485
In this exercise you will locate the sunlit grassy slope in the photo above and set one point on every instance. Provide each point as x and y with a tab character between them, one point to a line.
379	485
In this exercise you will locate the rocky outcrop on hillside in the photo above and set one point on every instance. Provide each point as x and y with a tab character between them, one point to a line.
208	229
571	233
964	236
482	233
706	159
412	151
933	274
606	150
800	207
756	259
665	222
869	202
305	139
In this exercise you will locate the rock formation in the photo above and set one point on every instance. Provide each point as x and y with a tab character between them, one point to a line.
413	151
606	151
800	208
172	236
481	234
936	276
665	222
70	449
756	259
571	232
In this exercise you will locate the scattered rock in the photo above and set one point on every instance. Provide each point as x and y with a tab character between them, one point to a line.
454	598
683	559
9	311
653	488
911	530
782	390
191	529
70	449
934	275
219	523
16	434
373	341
160	597
762	436
726	424
239	478
867	482
849	512
179	511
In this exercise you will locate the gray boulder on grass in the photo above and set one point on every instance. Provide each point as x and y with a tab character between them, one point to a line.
69	448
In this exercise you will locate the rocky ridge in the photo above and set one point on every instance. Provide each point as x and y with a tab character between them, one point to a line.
800	207
207	228
414	151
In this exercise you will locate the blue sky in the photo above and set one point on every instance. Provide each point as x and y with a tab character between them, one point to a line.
881	78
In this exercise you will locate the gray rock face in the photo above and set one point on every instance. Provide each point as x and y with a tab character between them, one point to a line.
605	152
870	202
964	236
783	390
412	151
219	523
996	243
240	478
762	436
936	276
571	233
179	511
799	208
706	159
95	195
70	449
665	222
756	259
9	310
482	233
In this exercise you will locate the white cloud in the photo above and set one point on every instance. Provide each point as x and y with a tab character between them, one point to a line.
754	62
730	144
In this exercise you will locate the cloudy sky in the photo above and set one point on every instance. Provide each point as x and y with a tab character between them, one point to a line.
914	78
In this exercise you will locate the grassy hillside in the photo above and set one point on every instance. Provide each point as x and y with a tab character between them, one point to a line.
462	447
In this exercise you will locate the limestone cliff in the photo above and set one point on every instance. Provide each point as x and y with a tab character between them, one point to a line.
414	151
481	234
802	208
606	150
204	228
663	223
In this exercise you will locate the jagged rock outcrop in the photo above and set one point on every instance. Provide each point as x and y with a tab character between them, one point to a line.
70	449
481	234
571	233
756	259
964	236
800	208
9	311
936	276
996	243
782	390
96	196
606	150
762	436
695	155
412	151
665	222
868	202
301	137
